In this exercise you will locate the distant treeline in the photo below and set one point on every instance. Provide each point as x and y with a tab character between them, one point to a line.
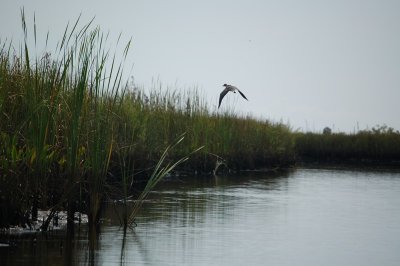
378	146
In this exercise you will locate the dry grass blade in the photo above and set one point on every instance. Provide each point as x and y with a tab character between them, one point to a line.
160	171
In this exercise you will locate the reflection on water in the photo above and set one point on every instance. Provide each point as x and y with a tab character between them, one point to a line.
304	217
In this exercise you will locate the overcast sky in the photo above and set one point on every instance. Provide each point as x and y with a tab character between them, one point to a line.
308	63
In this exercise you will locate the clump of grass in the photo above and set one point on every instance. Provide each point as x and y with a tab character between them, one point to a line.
58	115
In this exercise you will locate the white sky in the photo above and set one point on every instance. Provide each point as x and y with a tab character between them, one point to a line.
309	63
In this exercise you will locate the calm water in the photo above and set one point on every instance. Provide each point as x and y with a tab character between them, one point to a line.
304	217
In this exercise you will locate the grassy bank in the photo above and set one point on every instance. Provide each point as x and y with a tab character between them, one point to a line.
72	133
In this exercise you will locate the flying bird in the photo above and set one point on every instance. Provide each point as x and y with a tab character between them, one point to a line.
227	89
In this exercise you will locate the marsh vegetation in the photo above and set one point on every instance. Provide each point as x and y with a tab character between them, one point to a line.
377	146
74	134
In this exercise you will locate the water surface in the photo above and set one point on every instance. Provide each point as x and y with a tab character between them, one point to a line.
302	217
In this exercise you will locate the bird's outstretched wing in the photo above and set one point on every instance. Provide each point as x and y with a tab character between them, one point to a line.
222	95
241	93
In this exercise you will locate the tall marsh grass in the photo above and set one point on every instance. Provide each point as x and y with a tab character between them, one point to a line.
72	133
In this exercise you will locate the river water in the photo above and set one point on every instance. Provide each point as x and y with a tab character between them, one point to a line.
299	217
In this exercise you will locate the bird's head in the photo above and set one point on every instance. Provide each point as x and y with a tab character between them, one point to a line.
225	85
